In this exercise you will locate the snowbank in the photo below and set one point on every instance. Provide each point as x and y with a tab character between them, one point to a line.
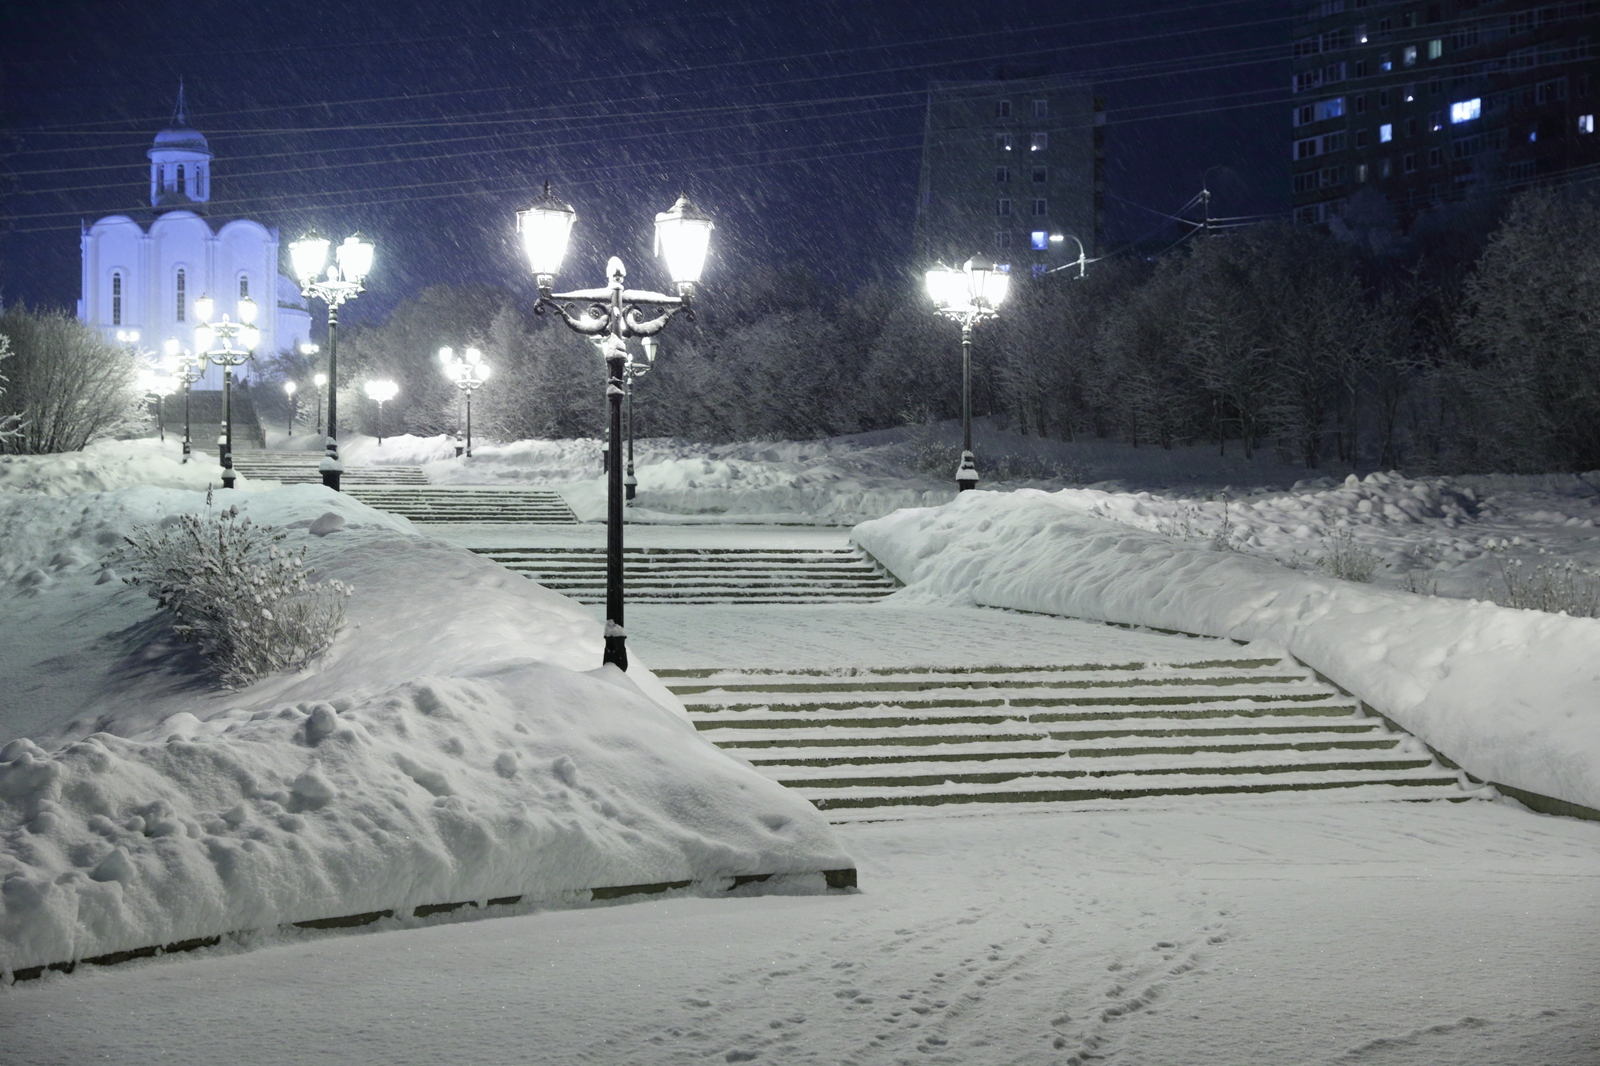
456	743
111	464
1509	694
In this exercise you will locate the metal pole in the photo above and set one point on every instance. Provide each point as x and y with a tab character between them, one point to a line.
161	422
630	483
967	471
616	646
186	384
226	438
469	423
330	477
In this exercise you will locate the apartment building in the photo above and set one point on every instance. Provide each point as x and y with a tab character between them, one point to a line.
1427	101
1012	168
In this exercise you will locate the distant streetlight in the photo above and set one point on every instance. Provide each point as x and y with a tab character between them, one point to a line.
187	366
614	313
636	371
320	381
153	382
228	344
289	388
466	372
967	295
333	283
382	392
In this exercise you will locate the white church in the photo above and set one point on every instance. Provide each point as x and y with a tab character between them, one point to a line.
142	279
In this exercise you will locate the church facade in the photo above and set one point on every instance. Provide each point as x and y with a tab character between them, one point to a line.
146	278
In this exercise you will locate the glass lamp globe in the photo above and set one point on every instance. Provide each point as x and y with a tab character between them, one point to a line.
546	226
355	257
203	308
309	255
683	237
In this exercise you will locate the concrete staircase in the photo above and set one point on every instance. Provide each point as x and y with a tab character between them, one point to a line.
297	468
538	506
867	744
706	575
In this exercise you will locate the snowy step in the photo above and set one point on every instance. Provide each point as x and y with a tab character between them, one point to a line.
706	576
304	468
864	740
440	504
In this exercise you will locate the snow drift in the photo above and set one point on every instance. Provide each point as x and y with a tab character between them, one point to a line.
1509	694
456	743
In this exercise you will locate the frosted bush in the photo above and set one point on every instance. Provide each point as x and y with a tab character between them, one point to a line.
249	604
1349	561
1547	587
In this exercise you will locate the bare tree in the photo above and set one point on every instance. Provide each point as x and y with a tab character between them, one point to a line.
66	385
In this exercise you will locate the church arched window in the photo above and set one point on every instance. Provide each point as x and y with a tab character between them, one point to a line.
180	286
116	298
244	286
181	184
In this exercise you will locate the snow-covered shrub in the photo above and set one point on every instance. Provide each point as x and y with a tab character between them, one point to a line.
1348	561
1548	587
66	385
248	604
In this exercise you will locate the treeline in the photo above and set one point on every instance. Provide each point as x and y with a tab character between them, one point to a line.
1471	345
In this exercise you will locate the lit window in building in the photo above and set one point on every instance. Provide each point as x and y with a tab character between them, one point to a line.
1466	110
1385	64
1039	270
1435	121
1002	142
1385	168
1409	56
1361	172
1040	240
1409	94
1386	133
1040	142
1436	48
1585	123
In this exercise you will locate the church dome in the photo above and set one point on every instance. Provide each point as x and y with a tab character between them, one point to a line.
182	139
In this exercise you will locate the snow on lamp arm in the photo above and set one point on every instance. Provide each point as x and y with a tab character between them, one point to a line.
610	316
333	283
967	296
228	344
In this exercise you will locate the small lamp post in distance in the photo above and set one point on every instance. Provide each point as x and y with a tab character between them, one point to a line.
381	391
188	367
968	296
333	283
467	373
289	389
613	314
228	344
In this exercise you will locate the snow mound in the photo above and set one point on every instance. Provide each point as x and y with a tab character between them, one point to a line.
456	743
1509	694
110	464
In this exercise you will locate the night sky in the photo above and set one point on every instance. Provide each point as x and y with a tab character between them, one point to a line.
426	125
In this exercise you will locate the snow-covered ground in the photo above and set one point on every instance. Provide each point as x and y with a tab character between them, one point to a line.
1289	931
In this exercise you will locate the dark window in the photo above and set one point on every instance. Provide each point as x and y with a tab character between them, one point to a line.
1002	109
1002	207
1002	174
1041	207
180	285
182	184
1435	156
1408	163
1041	174
116	299
244	286
1361	105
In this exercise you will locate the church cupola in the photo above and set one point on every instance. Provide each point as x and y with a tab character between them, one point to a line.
180	164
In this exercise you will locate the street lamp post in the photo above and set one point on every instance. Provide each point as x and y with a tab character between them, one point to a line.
968	296
153	382
228	344
467	372
320	381
289	388
613	314
636	371
382	392
188	366
333	283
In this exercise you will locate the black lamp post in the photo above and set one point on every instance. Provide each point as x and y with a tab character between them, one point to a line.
188	366
228	344
289	389
968	296
636	371
333	283
466	372
381	392
613	314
